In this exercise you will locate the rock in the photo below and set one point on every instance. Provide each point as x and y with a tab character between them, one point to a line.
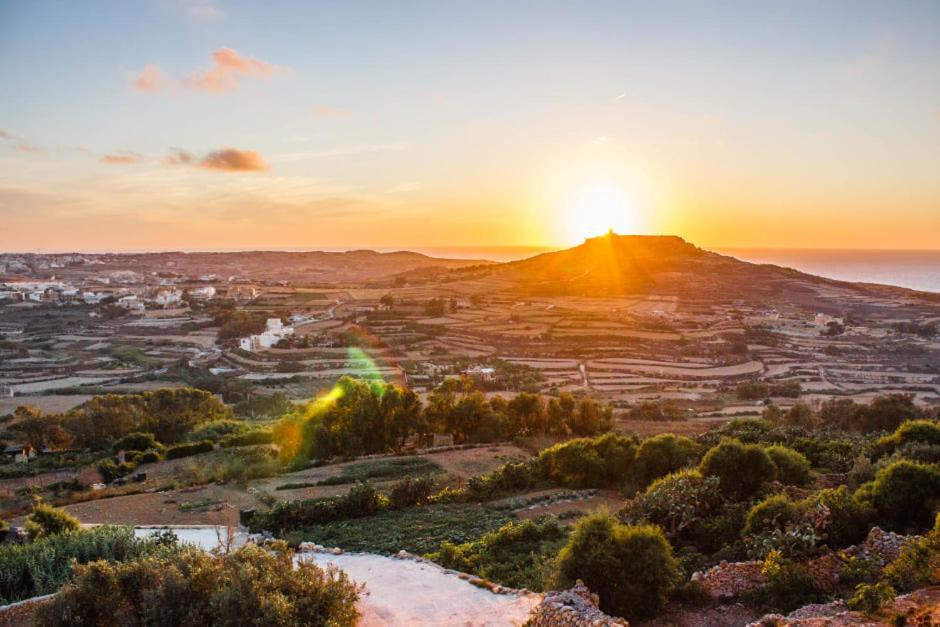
577	607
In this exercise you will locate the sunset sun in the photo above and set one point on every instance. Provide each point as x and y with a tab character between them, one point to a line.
598	208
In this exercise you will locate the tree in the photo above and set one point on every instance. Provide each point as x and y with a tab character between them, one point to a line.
661	455
403	416
388	301
742	469
38	430
792	467
904	495
631	568
526	414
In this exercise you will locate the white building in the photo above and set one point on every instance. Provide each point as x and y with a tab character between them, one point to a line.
273	333
203	293
165	298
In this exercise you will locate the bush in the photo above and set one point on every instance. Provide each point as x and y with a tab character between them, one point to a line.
775	512
149	457
249	438
136	441
589	462
187	450
631	568
870	598
678	503
361	500
788	585
918	565
792	467
250	586
905	495
218	429
913	431
46	521
41	567
411	491
742	469
515	555
660	455
849	519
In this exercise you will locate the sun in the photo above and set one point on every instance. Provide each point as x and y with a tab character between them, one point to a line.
600	208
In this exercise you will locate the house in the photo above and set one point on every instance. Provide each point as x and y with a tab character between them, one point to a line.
484	373
274	332
203	293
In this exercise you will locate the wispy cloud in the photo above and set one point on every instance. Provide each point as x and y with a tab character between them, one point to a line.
28	148
344	151
122	159
324	111
228	68
224	160
5	135
201	9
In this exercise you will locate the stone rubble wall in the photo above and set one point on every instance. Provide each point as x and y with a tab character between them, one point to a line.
728	580
577	607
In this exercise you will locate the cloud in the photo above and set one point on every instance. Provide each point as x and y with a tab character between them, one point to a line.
123	159
201	9
227	69
224	160
28	148
323	111
228	66
344	151
5	135
152	79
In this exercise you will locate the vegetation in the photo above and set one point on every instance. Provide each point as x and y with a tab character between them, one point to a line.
42	566
631	568
742	469
46	521
251	585
189	449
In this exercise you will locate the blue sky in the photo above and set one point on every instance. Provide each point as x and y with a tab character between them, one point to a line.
476	123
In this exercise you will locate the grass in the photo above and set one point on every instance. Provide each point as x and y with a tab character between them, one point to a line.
396	468
417	530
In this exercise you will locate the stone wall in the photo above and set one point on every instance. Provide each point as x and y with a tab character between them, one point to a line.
728	580
577	607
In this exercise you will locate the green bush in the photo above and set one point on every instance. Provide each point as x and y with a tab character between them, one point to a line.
599	462
792	467
918	565
136	441
849	519
45	521
660	455
905	495
678	503
870	598
189	449
218	429
149	457
248	438
742	469
631	568
774	512
788	585
361	500
912	431
189	587
41	567
518	554
411	491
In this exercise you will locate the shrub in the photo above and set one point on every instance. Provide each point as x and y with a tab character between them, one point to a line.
849	519
252	585
149	457
774	512
742	469
870	598
792	467
249	438
918	565
136	441
904	495
361	500
45	521
187	450
589	462
411	491
218	429
788	585
631	568
678	503
919	431
41	567
516	555
660	455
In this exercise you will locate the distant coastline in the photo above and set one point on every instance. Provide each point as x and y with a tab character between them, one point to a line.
914	269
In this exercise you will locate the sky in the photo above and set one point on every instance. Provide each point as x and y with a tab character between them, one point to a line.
216	124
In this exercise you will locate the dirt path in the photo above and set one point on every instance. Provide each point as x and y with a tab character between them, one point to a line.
409	592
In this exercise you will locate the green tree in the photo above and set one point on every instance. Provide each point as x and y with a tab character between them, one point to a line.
631	568
743	469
